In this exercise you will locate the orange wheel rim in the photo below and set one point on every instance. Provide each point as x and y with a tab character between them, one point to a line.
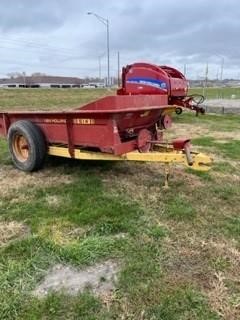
20	147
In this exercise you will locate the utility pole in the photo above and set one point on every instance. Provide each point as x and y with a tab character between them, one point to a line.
108	53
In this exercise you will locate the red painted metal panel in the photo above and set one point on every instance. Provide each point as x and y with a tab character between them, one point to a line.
4	124
2	131
150	79
110	124
146	78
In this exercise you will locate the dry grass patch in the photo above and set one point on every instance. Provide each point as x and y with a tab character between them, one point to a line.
187	262
195	131
144	182
191	181
227	135
188	130
220	299
227	177
210	264
135	180
13	180
10	231
54	201
61	232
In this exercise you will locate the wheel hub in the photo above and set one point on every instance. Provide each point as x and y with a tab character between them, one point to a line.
20	147
144	140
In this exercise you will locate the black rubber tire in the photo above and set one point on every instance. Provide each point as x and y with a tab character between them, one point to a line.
178	110
36	145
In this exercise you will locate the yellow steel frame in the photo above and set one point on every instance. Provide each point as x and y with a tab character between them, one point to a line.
201	161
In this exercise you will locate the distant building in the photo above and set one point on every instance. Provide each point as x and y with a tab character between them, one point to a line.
41	82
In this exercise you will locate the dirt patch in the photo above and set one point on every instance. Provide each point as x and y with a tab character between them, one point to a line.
12	180
10	231
100	279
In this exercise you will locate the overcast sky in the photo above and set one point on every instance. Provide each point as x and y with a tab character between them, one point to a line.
57	36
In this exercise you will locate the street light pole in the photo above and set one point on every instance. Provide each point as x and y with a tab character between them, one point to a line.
108	55
106	23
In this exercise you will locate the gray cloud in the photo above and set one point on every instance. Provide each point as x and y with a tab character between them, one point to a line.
30	16
67	41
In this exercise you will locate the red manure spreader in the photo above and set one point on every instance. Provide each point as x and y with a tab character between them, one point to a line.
126	126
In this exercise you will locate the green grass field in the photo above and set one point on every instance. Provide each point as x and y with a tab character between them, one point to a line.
217	93
178	249
44	99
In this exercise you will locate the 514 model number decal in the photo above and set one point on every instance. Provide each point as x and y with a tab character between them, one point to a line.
84	121
75	121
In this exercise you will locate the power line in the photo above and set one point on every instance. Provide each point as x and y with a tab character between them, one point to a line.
22	63
48	55
36	44
41	49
